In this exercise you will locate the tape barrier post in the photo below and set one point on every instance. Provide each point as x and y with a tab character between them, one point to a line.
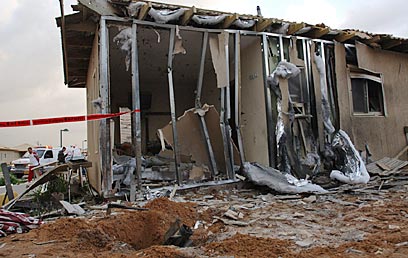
58	120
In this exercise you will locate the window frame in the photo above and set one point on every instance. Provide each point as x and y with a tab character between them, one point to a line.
366	75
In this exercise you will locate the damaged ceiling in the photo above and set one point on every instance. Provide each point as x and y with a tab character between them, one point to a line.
79	29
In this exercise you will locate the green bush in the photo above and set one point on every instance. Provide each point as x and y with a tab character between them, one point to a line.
14	180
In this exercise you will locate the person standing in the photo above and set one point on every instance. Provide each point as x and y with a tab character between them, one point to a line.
34	162
62	155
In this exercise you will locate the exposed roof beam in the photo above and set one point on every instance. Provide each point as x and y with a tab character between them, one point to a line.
188	14
371	40
295	27
344	36
229	20
82	27
318	32
144	10
79	45
262	24
391	43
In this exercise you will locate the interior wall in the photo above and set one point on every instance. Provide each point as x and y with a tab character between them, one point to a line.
253	111
92	93
153	75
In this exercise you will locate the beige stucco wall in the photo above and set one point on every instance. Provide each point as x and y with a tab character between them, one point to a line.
384	134
7	156
92	93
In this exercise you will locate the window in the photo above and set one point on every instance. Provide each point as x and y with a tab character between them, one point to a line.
367	94
48	155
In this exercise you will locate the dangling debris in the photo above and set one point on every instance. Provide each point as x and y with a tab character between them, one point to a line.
165	15
352	169
328	126
124	40
134	8
244	24
208	20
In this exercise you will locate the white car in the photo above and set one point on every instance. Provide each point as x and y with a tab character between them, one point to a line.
46	154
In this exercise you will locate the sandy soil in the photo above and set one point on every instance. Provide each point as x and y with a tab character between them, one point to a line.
337	225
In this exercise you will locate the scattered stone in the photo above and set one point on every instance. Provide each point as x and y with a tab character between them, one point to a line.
305	243
310	199
231	214
401	244
394	227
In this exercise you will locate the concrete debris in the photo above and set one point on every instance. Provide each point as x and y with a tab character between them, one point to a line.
304	243
310	199
72	208
275	180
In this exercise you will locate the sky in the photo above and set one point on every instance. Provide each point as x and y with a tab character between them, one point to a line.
31	71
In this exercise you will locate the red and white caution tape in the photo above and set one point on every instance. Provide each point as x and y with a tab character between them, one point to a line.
65	119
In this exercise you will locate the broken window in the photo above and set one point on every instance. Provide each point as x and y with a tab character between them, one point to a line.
367	94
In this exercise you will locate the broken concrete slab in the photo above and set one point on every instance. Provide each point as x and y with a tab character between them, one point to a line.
275	180
72	208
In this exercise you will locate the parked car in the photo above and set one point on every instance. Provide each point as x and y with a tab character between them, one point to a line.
46	154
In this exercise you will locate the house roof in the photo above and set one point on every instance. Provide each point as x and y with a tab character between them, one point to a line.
78	29
22	147
3	148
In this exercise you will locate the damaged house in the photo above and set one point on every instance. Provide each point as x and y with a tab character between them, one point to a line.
210	91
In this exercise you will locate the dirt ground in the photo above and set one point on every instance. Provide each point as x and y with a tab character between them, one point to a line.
346	224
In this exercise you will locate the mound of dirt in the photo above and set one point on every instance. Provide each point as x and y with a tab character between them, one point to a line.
248	246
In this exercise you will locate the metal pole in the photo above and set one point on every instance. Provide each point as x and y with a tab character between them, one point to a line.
281	49
210	151
228	130
204	129
201	72
268	103
237	46
136	120
104	143
173	106
60	138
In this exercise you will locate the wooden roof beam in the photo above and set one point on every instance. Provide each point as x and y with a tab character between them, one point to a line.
229	20
318	32
78	46
371	40
81	27
390	44
144	10
188	15
295	27
344	36
262	24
